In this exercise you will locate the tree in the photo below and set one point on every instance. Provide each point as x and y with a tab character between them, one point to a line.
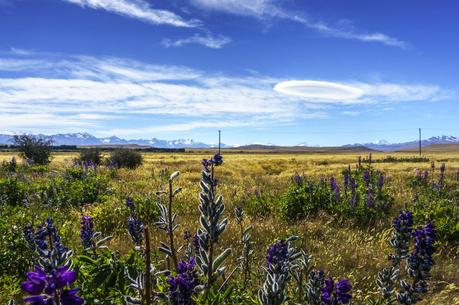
33	149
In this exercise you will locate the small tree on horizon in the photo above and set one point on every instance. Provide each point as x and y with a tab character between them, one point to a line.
35	149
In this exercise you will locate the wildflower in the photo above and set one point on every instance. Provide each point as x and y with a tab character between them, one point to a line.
353	193
336	294
45	288
366	177
402	228
277	254
217	159
380	182
441	178
130	203
370	197
181	287
335	188
297	179
346	180
87	231
239	214
135	228
420	261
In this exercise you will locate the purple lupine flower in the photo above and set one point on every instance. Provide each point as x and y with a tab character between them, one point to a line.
135	229
380	182
69	297
353	193
346	180
36	281
277	254
45	288
297	179
404	220
130	203
420	260
182	286
87	231
366	177
217	159
370	197
186	235
196	242
340	295
335	188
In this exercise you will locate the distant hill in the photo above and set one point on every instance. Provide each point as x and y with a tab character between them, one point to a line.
86	139
385	146
437	148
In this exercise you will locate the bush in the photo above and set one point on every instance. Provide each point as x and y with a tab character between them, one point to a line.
76	187
12	191
33	149
362	196
127	158
90	156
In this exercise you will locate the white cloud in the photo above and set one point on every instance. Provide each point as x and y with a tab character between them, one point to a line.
208	41
359	93
266	9
138	9
319	90
109	95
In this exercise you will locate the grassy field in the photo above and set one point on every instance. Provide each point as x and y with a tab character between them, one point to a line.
340	246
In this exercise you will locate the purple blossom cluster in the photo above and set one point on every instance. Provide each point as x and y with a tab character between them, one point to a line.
336	293
215	160
420	260
51	288
335	188
87	231
277	254
182	286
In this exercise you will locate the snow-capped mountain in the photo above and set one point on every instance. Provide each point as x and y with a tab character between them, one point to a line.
384	145
88	139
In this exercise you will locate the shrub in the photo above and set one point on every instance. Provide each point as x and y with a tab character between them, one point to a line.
362	196
12	191
436	199
75	187
90	156
33	149
127	158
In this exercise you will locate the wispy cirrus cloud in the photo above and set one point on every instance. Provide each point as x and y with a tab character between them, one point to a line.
267	9
138	9
213	42
127	97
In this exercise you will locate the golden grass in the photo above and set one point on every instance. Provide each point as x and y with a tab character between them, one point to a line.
340	248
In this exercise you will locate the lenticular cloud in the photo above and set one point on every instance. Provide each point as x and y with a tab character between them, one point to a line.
319	90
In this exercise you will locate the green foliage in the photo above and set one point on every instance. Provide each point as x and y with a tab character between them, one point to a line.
365	201
257	205
33	149
103	277
75	187
440	206
13	191
127	158
90	156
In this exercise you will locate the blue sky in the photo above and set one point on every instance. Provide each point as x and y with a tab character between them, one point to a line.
264	71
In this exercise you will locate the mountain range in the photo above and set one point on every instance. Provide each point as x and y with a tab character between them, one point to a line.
85	139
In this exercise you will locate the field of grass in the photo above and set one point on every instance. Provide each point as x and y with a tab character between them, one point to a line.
338	245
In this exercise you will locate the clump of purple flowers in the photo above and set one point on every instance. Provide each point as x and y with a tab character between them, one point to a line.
418	263
46	242
87	231
366	177
135	229
277	254
321	291
336	293
335	188
51	288
182	286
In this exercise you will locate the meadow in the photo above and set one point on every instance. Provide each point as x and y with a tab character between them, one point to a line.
344	246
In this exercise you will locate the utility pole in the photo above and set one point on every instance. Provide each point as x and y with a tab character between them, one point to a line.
420	151
219	140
